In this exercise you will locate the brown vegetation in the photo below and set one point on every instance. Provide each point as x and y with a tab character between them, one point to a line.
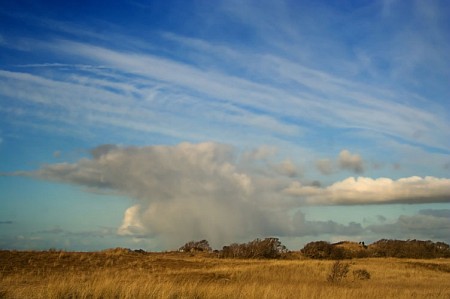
121	273
269	248
382	248
196	246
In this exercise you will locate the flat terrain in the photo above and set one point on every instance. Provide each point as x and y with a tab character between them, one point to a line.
123	274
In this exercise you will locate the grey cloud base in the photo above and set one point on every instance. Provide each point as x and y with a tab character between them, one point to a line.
209	191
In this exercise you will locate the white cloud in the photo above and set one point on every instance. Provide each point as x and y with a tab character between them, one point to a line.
131	224
363	190
330	100
128	103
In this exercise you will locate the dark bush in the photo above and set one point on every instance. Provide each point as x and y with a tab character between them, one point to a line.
257	249
325	250
409	249
196	246
317	250
382	248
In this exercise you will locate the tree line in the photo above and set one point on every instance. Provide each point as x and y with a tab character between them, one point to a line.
268	248
272	248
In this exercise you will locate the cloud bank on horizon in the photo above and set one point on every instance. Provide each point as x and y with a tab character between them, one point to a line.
228	120
200	190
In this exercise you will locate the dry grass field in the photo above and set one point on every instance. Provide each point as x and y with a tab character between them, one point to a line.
122	274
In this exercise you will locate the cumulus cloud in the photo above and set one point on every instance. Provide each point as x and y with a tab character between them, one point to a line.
209	191
363	190
187	191
352	162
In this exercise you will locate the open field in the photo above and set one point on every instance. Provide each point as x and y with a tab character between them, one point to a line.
122	274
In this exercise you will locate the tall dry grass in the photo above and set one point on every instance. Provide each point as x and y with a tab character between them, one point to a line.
122	274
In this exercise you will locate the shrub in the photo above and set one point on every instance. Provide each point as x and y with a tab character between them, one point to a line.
317	250
338	272
361	274
196	246
256	249
324	250
409	249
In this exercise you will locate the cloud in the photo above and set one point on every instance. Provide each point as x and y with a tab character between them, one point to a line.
354	104
59	238
436	213
352	162
303	227
345	161
363	190
209	191
381	218
287	168
183	192
325	166
261	153
427	224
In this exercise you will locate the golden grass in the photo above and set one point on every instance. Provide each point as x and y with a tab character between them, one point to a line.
122	274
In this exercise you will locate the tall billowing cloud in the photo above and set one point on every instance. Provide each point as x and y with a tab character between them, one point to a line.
182	192
363	190
209	191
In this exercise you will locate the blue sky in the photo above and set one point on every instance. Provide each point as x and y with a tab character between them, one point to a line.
146	124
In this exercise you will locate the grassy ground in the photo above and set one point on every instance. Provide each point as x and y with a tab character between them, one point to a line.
122	274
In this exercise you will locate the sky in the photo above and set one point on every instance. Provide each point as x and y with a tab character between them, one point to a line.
147	124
